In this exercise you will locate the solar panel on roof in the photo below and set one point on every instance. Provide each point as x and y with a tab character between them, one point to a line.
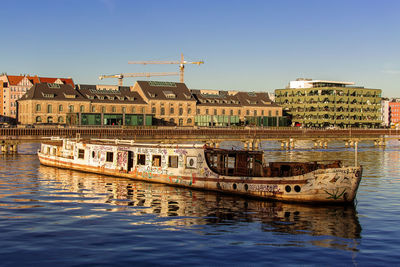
163	84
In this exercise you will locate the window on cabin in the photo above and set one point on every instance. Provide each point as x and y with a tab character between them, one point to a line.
141	159
109	157
173	161
156	160
81	153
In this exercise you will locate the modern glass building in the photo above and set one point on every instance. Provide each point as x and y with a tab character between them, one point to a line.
320	103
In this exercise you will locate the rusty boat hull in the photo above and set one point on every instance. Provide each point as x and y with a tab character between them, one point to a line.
194	166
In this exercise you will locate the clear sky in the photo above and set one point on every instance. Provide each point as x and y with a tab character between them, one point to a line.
247	45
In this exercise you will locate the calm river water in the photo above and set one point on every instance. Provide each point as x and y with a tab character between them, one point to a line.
52	217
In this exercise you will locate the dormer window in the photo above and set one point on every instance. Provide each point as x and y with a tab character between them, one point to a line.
46	95
53	85
152	95
69	96
110	97
169	94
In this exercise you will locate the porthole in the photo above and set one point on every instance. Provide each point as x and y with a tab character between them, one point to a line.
246	187
297	188
234	186
288	188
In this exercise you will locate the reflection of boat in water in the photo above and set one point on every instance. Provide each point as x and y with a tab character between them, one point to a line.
240	172
190	208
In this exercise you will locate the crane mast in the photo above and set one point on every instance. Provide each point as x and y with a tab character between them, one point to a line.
181	63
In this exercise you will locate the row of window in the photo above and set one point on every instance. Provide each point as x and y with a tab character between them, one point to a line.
71	108
50	119
162	110
141	158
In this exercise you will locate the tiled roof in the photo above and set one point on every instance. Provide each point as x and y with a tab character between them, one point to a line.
256	99
155	90
14	79
222	98
120	96
50	91
52	80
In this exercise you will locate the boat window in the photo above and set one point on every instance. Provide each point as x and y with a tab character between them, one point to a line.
81	154
141	159
156	160
110	157
173	161
191	162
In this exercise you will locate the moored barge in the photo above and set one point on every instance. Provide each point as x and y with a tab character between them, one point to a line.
197	166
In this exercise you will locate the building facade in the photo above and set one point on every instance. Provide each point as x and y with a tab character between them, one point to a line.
321	103
84	105
145	103
394	112
15	86
170	103
225	108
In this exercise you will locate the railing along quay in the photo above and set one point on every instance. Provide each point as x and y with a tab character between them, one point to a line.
191	133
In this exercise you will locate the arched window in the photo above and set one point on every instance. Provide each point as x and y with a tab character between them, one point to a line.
38	119
60	120
50	119
103	109
189	121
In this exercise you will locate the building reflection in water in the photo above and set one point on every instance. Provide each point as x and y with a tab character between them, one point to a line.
181	208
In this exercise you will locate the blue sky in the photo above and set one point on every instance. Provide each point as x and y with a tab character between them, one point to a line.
246	45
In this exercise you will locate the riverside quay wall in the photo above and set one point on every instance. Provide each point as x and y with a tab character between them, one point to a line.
192	134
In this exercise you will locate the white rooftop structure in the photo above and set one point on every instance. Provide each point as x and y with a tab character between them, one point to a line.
310	83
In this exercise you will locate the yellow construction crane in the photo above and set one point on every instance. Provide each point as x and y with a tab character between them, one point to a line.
121	76
181	63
